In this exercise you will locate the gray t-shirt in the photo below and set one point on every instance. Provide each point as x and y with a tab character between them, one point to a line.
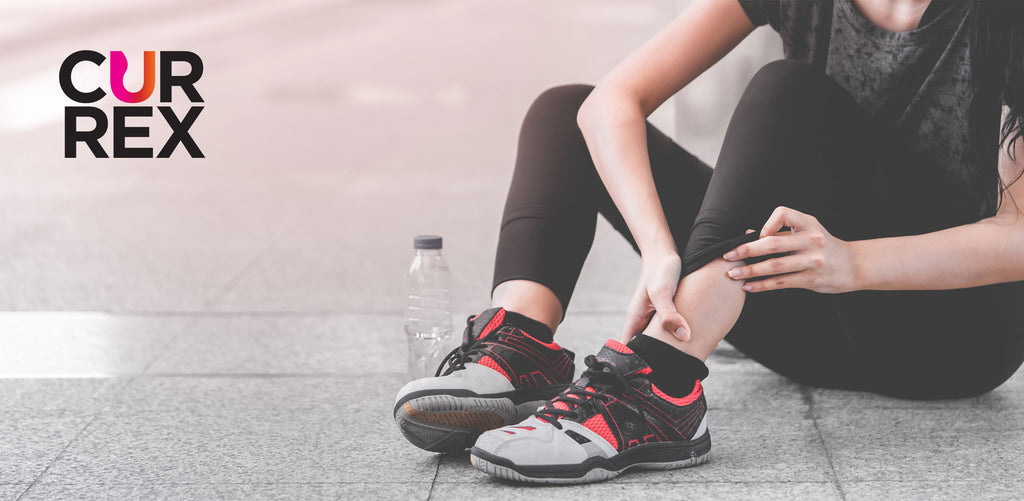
918	82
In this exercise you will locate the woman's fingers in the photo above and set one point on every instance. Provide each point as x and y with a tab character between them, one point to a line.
780	242
638	314
799	280
671	320
784	216
776	266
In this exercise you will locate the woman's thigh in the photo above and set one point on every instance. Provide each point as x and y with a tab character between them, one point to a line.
936	344
908	344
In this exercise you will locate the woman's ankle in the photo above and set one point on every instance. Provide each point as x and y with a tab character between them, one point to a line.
529	299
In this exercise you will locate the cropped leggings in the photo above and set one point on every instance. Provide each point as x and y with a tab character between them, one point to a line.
796	139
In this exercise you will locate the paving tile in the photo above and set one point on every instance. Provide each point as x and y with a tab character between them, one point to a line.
11	492
79	395
271	344
81	344
370	397
86	492
616	489
1009	488
138	247
246	429
318	264
744	384
31	440
924	444
261	446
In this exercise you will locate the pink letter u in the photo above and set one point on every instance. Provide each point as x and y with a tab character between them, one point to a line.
119	66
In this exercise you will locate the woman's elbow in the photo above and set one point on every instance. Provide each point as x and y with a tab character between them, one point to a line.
607	107
589	112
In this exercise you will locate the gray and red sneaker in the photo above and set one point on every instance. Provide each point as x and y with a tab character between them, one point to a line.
499	375
611	419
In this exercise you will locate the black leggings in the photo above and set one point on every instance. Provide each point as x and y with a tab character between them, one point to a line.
796	139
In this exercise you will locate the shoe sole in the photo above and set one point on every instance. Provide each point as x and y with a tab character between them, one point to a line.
665	457
445	423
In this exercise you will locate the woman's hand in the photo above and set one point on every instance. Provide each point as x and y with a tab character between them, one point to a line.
814	259
659	279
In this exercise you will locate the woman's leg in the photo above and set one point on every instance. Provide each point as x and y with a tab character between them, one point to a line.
774	153
555	197
797	139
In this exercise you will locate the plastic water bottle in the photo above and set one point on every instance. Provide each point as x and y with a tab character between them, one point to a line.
428	307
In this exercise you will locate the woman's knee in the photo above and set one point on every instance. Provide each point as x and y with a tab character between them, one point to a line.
787	75
787	89
558	105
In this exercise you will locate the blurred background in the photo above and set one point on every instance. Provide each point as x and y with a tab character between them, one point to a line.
334	131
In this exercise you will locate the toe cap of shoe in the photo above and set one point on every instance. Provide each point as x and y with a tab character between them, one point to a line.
542	445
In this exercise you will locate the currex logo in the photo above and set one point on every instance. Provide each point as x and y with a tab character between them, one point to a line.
118	67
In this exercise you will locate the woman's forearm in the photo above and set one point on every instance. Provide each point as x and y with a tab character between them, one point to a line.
987	252
614	127
613	117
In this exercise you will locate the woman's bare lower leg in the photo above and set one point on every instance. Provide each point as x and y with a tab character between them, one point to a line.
710	302
529	298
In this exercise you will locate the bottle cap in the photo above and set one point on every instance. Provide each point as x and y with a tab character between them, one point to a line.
427	242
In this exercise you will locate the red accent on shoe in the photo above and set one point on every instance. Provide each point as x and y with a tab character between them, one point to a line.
490	363
600	426
619	347
551	346
495	322
645	370
527	428
509	432
687	400
558	404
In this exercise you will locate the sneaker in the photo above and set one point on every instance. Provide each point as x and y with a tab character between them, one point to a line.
499	375
612	419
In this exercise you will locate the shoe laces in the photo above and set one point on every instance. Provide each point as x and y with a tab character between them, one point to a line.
457	358
598	383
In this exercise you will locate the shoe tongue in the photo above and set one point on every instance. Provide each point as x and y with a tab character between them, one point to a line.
622	359
483	324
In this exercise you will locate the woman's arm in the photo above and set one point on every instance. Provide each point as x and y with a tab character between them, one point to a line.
612	120
987	252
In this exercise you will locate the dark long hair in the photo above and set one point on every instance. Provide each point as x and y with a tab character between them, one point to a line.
997	64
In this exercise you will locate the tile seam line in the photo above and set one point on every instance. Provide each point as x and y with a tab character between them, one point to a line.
147	484
58	456
636	483
805	392
273	243
188	324
231	282
433	481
